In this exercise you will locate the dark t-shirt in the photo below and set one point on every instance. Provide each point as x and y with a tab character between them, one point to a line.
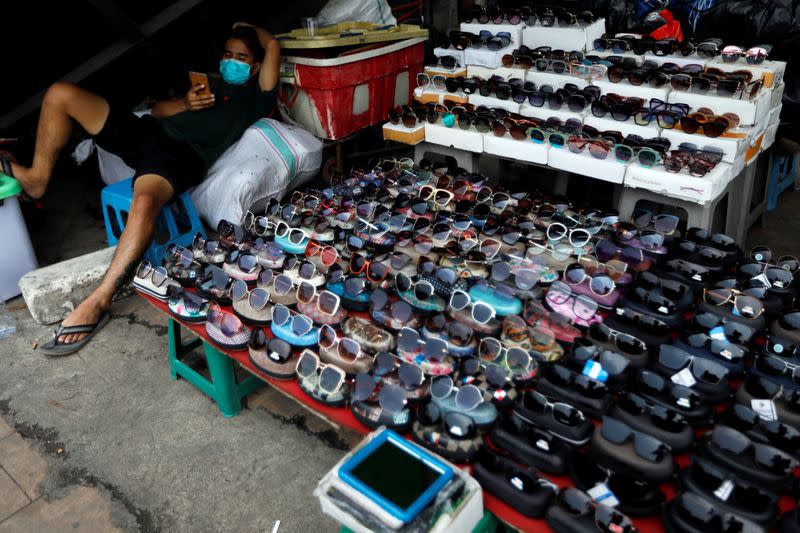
211	131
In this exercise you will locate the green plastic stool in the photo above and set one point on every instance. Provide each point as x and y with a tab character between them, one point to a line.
223	387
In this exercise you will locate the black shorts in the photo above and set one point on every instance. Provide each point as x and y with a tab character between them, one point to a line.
144	146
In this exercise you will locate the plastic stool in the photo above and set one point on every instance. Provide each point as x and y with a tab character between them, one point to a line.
223	386
782	175
177	223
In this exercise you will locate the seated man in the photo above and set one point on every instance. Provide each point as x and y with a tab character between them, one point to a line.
170	152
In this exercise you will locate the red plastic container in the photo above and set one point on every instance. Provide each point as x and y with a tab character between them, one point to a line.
333	98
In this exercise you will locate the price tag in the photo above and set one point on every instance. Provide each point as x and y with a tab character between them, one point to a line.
543	444
764	280
684	402
517	482
499	394
726	353
718	333
684	377
275	356
594	370
602	494
765	409
777	348
697	277
724	490
663	310
620	311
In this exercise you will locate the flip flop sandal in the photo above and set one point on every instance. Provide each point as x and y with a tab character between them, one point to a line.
55	348
6	158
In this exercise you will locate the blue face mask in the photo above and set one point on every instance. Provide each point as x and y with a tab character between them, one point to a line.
234	72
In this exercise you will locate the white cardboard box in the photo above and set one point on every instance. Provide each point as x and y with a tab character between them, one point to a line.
434	70
624	88
569	38
487	58
681	184
774	70
399	133
511	148
627	127
551	78
514	29
607	169
491	101
469	140
733	148
487	72
750	111
777	95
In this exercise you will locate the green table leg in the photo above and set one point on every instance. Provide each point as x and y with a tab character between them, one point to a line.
223	387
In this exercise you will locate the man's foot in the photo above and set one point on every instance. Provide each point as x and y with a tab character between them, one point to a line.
33	186
88	312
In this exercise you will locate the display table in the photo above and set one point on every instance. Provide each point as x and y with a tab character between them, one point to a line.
228	392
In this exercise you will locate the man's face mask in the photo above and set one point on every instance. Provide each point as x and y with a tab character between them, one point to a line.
234	71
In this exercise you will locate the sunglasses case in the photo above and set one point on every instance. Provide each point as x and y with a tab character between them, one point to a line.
672	320
433	304
310	386
766	518
272	367
372	338
484	415
577	435
593	407
181	313
636	496
384	318
253	317
791	521
285	333
744	466
234	272
519	440
357	303
501	397
372	415
465	317
238	342
699	416
159	292
565	522
311	310
674	522
635	362
788	334
456	350
502	304
437	439
351	368
501	485
784	414
623	459
680	441
186	276
289	247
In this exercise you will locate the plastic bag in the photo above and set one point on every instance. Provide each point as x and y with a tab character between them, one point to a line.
335	11
751	22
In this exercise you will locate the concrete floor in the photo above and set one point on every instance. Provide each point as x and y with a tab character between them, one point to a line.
110	418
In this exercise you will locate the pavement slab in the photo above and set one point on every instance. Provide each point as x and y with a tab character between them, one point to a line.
110	419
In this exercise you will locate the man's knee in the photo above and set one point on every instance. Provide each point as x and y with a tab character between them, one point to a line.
146	204
60	93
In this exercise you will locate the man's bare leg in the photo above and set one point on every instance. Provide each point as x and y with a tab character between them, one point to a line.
150	193
62	103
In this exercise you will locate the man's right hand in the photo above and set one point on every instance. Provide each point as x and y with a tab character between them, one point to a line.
196	101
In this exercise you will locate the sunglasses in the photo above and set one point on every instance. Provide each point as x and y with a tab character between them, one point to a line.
391	397
517	360
480	312
586	386
331	377
256	298
191	302
399	310
423	289
327	302
585	354
559	294
606	518
660	416
300	324
720	347
599	284
278	350
229	324
645	446
745	305
744	419
157	275
724	329
652	384
408	340
776	367
374	271
700	369
246	261
738	444
467	397
457	425
621	341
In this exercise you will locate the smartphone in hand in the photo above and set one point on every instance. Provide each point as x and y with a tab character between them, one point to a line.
196	78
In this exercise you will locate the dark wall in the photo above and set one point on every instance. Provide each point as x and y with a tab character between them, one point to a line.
72	32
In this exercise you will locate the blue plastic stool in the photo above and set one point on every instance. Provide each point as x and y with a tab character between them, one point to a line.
782	175
178	222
